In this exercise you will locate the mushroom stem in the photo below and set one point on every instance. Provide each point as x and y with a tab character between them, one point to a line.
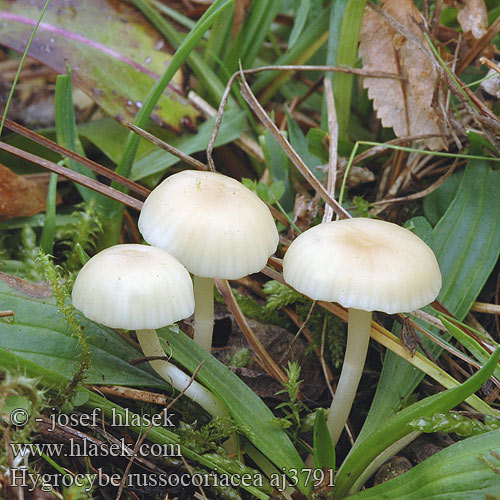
203	311
150	345
358	337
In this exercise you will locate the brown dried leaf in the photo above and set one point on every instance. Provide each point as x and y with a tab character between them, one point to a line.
404	105
20	197
472	16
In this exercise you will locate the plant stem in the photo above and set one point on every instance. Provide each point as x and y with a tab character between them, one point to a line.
203	311
358	337
150	345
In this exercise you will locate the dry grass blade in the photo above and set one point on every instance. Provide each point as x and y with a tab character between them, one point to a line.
333	132
95	167
74	176
167	147
289	151
267	362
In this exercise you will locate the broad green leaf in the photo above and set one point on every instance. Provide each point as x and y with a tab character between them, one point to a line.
41	335
466	242
463	471
437	202
114	60
323	447
397	426
246	408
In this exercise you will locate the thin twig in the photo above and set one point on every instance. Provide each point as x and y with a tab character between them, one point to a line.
75	176
98	169
6	314
288	149
164	145
267	361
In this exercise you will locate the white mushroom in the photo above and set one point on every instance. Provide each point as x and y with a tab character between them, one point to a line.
215	226
365	265
137	287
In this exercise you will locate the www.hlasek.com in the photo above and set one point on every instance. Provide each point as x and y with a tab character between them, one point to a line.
87	448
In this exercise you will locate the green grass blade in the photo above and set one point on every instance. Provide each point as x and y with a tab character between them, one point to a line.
253	33
67	134
49	226
323	447
346	56
203	71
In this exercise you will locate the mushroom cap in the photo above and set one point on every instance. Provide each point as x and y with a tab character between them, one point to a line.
134	287
212	223
362	263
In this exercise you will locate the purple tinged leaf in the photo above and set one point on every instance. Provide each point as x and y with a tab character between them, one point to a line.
113	52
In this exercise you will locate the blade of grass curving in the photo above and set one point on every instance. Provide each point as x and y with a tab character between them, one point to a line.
337	13
21	64
204	73
246	408
396	427
346	56
67	135
474	347
251	36
49	224
299	21
112	223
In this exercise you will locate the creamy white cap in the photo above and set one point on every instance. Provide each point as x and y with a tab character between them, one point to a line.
134	287
211	223
363	263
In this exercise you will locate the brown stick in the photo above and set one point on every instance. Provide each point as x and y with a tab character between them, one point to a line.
74	176
95	167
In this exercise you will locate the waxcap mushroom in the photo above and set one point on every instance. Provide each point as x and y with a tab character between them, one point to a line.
212	223
363	263
138	287
134	287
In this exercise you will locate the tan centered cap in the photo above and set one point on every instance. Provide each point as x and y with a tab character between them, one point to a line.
212	223
134	287
363	263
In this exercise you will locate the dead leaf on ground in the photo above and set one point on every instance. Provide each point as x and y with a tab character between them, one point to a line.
20	197
472	16
403	105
